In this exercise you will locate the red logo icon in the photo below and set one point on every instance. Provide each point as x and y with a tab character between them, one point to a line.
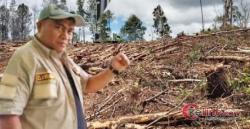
189	111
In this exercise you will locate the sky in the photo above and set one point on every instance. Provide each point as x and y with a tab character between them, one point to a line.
182	15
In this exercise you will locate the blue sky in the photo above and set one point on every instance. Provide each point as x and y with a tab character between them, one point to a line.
117	23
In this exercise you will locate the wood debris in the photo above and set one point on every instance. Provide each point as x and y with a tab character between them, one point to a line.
162	76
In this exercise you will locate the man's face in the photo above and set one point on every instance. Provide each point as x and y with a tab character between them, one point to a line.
56	34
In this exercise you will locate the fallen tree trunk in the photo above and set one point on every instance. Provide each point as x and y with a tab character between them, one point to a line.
222	32
134	126
233	58
134	119
244	50
185	80
139	121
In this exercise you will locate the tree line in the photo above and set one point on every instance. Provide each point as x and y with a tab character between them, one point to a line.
132	30
16	21
235	16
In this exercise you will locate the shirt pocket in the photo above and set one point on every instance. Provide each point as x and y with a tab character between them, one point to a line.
45	93
45	90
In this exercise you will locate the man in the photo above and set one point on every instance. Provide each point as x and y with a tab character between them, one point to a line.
42	88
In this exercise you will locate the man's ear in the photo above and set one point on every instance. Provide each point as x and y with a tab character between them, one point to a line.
38	24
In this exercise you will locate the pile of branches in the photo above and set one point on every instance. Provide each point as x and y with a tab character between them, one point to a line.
164	75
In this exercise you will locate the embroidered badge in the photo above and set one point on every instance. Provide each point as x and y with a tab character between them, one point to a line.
44	76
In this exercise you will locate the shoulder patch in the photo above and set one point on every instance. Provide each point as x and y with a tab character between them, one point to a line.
9	79
7	92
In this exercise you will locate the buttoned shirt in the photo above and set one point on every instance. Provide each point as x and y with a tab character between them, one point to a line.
36	87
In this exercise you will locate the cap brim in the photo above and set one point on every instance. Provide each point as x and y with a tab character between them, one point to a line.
79	21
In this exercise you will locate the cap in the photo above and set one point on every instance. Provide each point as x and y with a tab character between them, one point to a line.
54	12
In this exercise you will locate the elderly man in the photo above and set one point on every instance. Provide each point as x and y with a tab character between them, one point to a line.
42	88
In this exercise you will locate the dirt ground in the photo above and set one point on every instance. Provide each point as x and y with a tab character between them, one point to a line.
165	75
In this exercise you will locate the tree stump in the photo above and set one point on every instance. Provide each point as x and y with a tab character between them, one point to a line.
217	83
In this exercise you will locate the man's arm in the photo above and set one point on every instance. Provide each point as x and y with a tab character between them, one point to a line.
15	88
10	122
120	62
99	81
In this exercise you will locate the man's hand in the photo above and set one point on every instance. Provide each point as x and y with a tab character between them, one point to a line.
120	62
10	122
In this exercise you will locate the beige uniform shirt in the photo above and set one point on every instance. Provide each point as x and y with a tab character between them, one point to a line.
36	87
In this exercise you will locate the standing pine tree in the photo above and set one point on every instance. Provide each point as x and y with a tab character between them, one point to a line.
80	11
109	16
160	22
23	20
4	22
92	18
14	31
133	29
104	26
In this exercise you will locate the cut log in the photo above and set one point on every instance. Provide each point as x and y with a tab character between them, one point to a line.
134	126
134	119
217	83
238	52
233	58
223	32
244	50
185	80
127	121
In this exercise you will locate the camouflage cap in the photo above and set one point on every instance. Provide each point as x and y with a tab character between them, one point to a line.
54	12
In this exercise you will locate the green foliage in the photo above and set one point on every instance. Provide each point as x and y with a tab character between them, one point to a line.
241	84
117	38
194	56
209	30
133	30
104	26
160	22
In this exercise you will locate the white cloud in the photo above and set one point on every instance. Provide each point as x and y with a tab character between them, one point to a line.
180	17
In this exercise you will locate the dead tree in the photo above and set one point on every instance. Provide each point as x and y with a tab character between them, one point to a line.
228	13
245	7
